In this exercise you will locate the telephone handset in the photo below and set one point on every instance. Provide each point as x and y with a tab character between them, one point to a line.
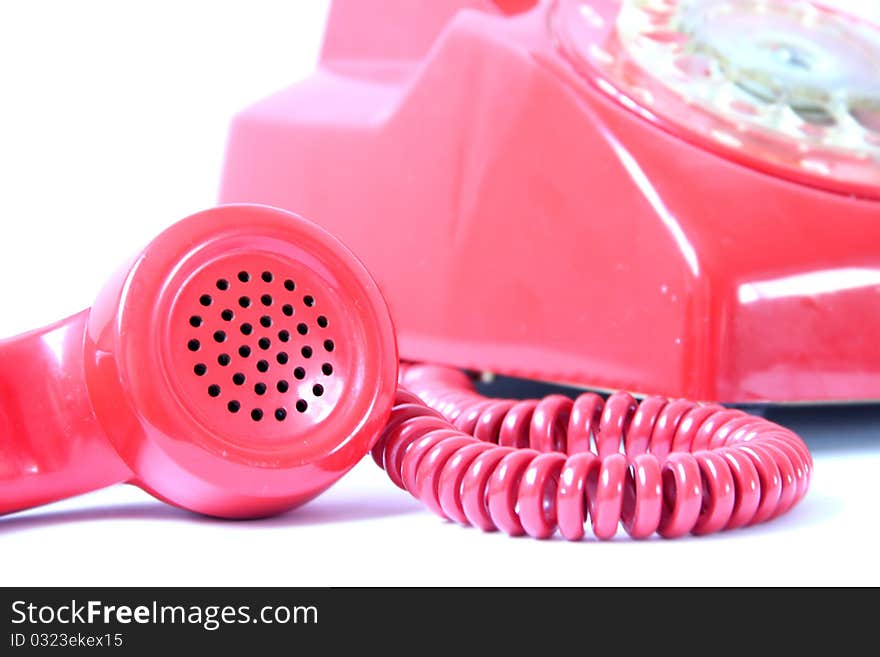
245	361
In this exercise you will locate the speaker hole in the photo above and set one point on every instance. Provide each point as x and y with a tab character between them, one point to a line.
247	329
266	321
267	276
322	321
256	415
264	343
282	386
224	359
263	366
318	390
244	351
193	345
287	309
220	336
227	315
195	321
243	276
244	302
239	378
206	300
309	300
266	300
302	328
233	406
201	369
284	336
282	358
214	390
299	373
260	389
223	284
328	345
302	405
280	414
289	285
306	352
327	369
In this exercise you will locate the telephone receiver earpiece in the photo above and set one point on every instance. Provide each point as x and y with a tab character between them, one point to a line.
237	367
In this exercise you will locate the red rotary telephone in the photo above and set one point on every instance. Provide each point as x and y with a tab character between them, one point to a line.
245	360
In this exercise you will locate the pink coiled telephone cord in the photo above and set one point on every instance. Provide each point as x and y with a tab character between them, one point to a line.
535	466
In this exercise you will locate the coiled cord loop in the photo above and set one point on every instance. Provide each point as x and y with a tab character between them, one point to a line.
537	466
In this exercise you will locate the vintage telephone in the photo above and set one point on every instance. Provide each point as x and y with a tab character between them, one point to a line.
245	360
677	198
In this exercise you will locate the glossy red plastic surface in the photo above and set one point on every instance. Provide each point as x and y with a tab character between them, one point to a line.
521	220
535	467
52	444
237	367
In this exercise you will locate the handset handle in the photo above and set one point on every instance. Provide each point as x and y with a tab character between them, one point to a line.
51	444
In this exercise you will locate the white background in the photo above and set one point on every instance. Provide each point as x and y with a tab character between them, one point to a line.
112	126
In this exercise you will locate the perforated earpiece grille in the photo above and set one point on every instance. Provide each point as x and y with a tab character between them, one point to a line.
256	339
